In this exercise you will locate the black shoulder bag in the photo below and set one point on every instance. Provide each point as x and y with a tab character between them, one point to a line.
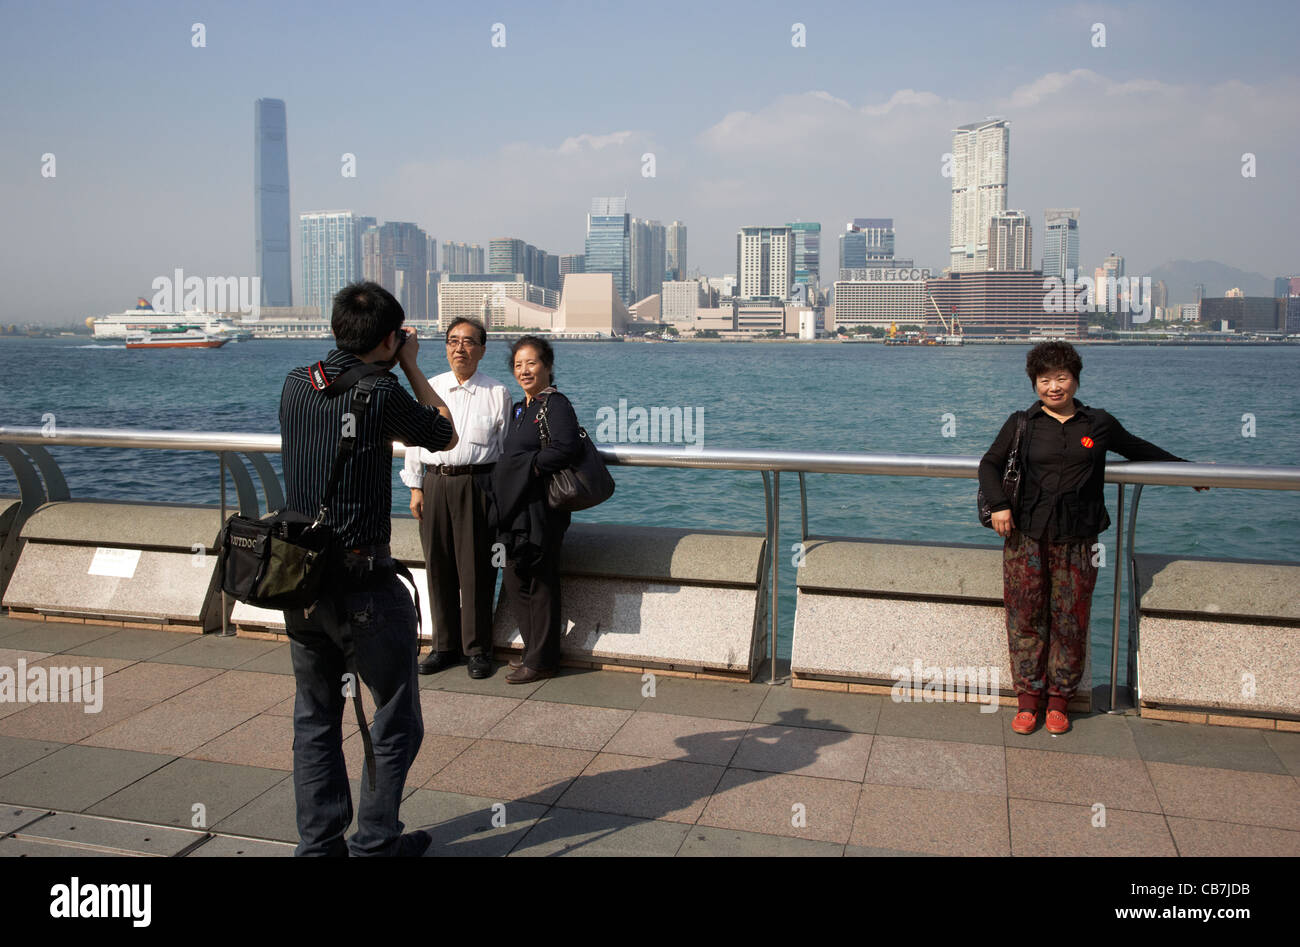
1011	474
584	483
280	561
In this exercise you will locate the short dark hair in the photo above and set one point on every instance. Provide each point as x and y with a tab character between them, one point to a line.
364	314
538	344
465	320
1052	356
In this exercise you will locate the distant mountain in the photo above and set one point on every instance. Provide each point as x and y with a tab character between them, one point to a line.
1181	276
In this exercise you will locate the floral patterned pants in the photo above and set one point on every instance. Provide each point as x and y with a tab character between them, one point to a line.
1047	589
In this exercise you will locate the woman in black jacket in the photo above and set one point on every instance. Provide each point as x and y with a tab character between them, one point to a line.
541	438
1048	568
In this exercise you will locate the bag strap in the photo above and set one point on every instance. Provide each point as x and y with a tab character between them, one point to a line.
544	435
1013	457
362	379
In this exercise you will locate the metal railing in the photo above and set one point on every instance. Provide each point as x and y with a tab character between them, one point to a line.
41	481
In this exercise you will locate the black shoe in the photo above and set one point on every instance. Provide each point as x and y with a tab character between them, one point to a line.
438	661
480	667
412	844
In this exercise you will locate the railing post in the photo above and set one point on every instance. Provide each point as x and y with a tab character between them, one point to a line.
1119	578
221	463
776	564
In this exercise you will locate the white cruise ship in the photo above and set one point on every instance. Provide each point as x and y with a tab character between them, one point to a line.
144	317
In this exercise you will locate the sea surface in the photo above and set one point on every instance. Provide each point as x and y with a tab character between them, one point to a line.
1198	403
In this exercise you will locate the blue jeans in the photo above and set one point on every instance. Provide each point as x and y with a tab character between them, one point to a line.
383	623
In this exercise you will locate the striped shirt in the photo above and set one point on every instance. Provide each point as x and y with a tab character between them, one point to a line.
310	428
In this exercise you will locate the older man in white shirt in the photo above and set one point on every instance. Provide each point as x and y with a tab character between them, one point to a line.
448	498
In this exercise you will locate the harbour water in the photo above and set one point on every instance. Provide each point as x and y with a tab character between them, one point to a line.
1223	405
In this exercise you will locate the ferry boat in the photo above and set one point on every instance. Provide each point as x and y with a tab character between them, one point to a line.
144	318
175	337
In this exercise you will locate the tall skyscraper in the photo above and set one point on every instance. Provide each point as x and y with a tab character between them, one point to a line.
1061	242
572	263
1010	243
461	258
765	262
866	241
609	243
331	254
980	155
271	203
396	256
675	251
507	255
807	253
649	257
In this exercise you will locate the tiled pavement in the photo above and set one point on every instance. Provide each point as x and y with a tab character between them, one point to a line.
191	753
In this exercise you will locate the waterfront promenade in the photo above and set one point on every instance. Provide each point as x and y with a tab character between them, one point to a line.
196	730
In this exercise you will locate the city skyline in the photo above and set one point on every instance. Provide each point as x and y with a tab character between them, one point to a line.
154	176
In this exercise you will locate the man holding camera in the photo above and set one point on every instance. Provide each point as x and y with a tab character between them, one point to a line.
367	620
449	498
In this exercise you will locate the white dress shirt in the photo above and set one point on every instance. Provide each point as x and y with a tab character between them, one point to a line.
480	409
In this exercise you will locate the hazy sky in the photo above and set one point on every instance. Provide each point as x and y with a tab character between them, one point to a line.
153	138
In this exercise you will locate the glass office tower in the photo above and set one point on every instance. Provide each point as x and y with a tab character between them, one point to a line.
609	243
271	202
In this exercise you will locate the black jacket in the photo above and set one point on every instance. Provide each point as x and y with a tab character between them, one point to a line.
1061	493
517	504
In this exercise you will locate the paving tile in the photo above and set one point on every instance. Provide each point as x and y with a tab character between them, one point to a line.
620	689
219	651
167	728
285	708
137	644
569	832
1199	838
830	754
805	707
14	626
245	691
1287	748
963	723
464	825
9	657
265	741
548	723
76	777
16	752
766	803
671	790
1164	741
168	795
271	815
506	771
13	818
275	661
117	835
860	851
436	751
230	846
1080	779
88	680
68	723
1041	829
934	821
938	764
53	637
456	678
695	698
707	841
154	682
21	848
463	715
1222	795
1092	734
675	737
